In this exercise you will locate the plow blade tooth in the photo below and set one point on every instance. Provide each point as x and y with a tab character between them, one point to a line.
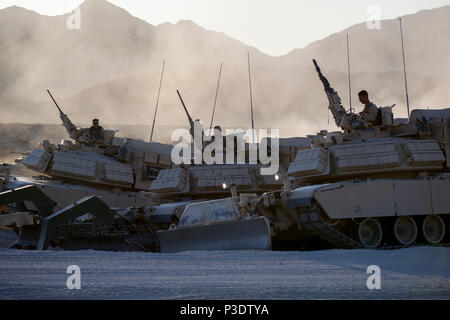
7	237
28	237
231	235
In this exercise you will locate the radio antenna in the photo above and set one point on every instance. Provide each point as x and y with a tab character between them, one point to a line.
404	66
215	98
157	100
349	80
251	97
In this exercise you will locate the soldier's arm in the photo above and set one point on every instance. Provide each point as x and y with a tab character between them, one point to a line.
370	113
84	135
373	112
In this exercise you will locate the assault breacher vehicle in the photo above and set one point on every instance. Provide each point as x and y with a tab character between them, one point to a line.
116	169
180	210
207	180
387	184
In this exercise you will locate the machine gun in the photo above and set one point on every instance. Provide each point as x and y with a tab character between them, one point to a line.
82	135
56	104
191	122
335	105
74	133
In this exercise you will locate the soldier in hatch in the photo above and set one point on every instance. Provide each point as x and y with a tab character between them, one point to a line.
96	134
367	117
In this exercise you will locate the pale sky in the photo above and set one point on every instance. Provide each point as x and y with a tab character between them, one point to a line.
273	26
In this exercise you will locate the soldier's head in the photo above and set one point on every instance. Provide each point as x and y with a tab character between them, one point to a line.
363	97
95	122
217	129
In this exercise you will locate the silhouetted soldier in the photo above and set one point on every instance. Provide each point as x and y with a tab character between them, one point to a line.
96	134
367	117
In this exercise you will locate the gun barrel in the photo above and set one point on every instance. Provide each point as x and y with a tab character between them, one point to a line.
335	105
54	101
191	122
326	84
315	63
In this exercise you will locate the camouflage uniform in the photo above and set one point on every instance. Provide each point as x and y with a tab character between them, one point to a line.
366	118
96	134
369	113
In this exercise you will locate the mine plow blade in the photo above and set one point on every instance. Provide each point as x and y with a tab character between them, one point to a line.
90	204
246	234
28	237
30	193
137	242
7	237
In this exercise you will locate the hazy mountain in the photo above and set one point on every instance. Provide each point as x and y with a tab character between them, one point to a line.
379	50
110	69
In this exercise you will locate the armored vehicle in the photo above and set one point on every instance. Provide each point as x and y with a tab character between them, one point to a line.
117	176
119	168
381	184
202	180
116	169
385	184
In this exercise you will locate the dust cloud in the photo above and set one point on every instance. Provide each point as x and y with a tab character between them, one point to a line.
110	69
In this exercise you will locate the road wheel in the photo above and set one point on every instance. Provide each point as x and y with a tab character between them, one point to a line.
405	230
370	233
433	228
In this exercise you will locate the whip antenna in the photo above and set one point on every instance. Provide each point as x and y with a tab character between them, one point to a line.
404	66
349	81
215	99
157	100
251	98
